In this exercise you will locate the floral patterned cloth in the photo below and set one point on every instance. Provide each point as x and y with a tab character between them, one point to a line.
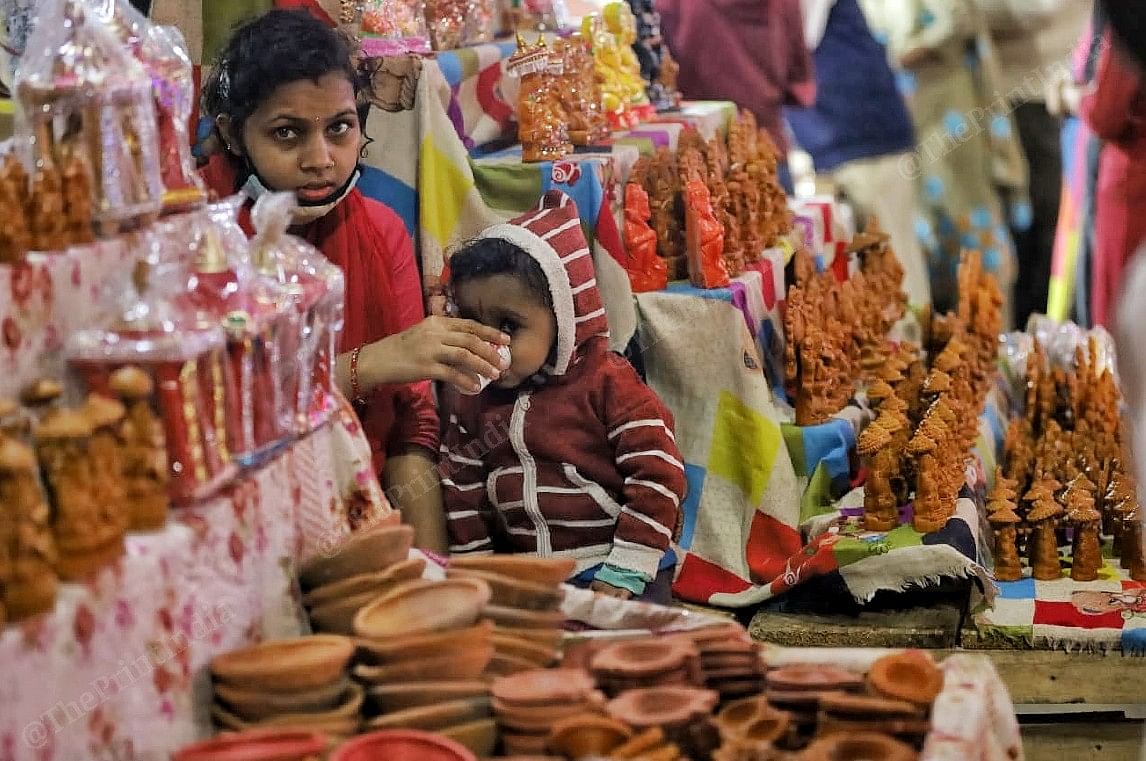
118	670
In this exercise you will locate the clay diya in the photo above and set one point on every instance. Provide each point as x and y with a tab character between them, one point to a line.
421	606
642	657
338	727
538	570
524	745
642	745
522	619
479	736
549	637
460	664
402	745
912	676
502	664
861	746
380	582
753	719
289	665
662	706
398	697
253	705
513	593
257	745
819	678
433	717
842	704
542	687
338	617
416	646
587	736
370	551
517	647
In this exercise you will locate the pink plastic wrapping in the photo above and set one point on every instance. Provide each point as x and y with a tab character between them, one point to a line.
394	27
188	363
80	92
316	290
163	54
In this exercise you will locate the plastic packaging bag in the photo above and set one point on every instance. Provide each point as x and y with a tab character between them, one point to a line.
394	27
80	93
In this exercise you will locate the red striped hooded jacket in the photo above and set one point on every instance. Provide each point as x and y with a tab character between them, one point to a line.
580	463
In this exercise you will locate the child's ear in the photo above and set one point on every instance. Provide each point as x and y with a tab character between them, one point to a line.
226	130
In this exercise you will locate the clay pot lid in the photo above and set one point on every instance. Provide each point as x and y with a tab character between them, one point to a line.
864	706
286	664
509	592
538	570
642	657
131	383
414	607
662	706
858	746
543	687
16	456
812	677
102	412
63	424
911	676
423	645
402	745
352	586
368	551
42	391
256	745
587	735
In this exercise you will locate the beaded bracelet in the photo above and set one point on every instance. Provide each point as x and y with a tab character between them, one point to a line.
355	390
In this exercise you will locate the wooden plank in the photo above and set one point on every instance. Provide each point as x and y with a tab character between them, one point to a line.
1083	741
931	628
1055	677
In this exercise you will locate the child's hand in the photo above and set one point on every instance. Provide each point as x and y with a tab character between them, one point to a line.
610	590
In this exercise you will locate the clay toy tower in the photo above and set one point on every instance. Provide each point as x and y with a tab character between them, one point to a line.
880	511
1086	550
1130	520
1044	514
1004	521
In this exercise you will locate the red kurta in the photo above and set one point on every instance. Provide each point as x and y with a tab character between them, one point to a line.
383	296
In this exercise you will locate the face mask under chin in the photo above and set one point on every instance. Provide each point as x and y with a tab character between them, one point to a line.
254	189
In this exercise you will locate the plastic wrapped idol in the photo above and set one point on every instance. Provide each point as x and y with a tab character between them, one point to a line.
163	53
156	332
315	289
580	93
394	27
223	289
542	127
80	92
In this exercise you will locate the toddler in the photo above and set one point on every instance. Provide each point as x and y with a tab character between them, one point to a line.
585	464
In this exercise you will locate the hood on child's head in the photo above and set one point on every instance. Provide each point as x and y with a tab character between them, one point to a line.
551	234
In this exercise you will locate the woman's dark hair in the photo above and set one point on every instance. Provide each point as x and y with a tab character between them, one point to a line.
274	49
486	257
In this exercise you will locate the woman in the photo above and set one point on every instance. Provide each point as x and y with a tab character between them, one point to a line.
285	100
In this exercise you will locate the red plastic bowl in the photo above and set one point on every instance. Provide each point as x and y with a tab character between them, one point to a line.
401	745
257	745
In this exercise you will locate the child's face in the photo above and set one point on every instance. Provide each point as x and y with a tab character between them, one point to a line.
305	138
505	303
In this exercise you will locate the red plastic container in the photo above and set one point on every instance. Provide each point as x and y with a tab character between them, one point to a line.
401	745
257	745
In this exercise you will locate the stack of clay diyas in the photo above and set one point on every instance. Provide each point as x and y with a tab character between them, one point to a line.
684	714
524	607
797	690
529	704
751	728
729	661
646	662
298	683
422	657
370	564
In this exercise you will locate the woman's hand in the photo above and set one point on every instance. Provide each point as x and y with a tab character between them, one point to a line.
437	348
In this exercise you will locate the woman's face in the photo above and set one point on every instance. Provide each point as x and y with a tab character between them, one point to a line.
305	138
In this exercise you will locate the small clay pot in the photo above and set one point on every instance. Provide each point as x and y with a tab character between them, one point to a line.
417	646
459	664
662	706
289	665
415	607
587	735
514	593
370	551
434	717
538	570
816	678
911	676
353	586
398	697
517	647
861	746
647	657
402	745
255	705
523	619
542	687
257	745
479	736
